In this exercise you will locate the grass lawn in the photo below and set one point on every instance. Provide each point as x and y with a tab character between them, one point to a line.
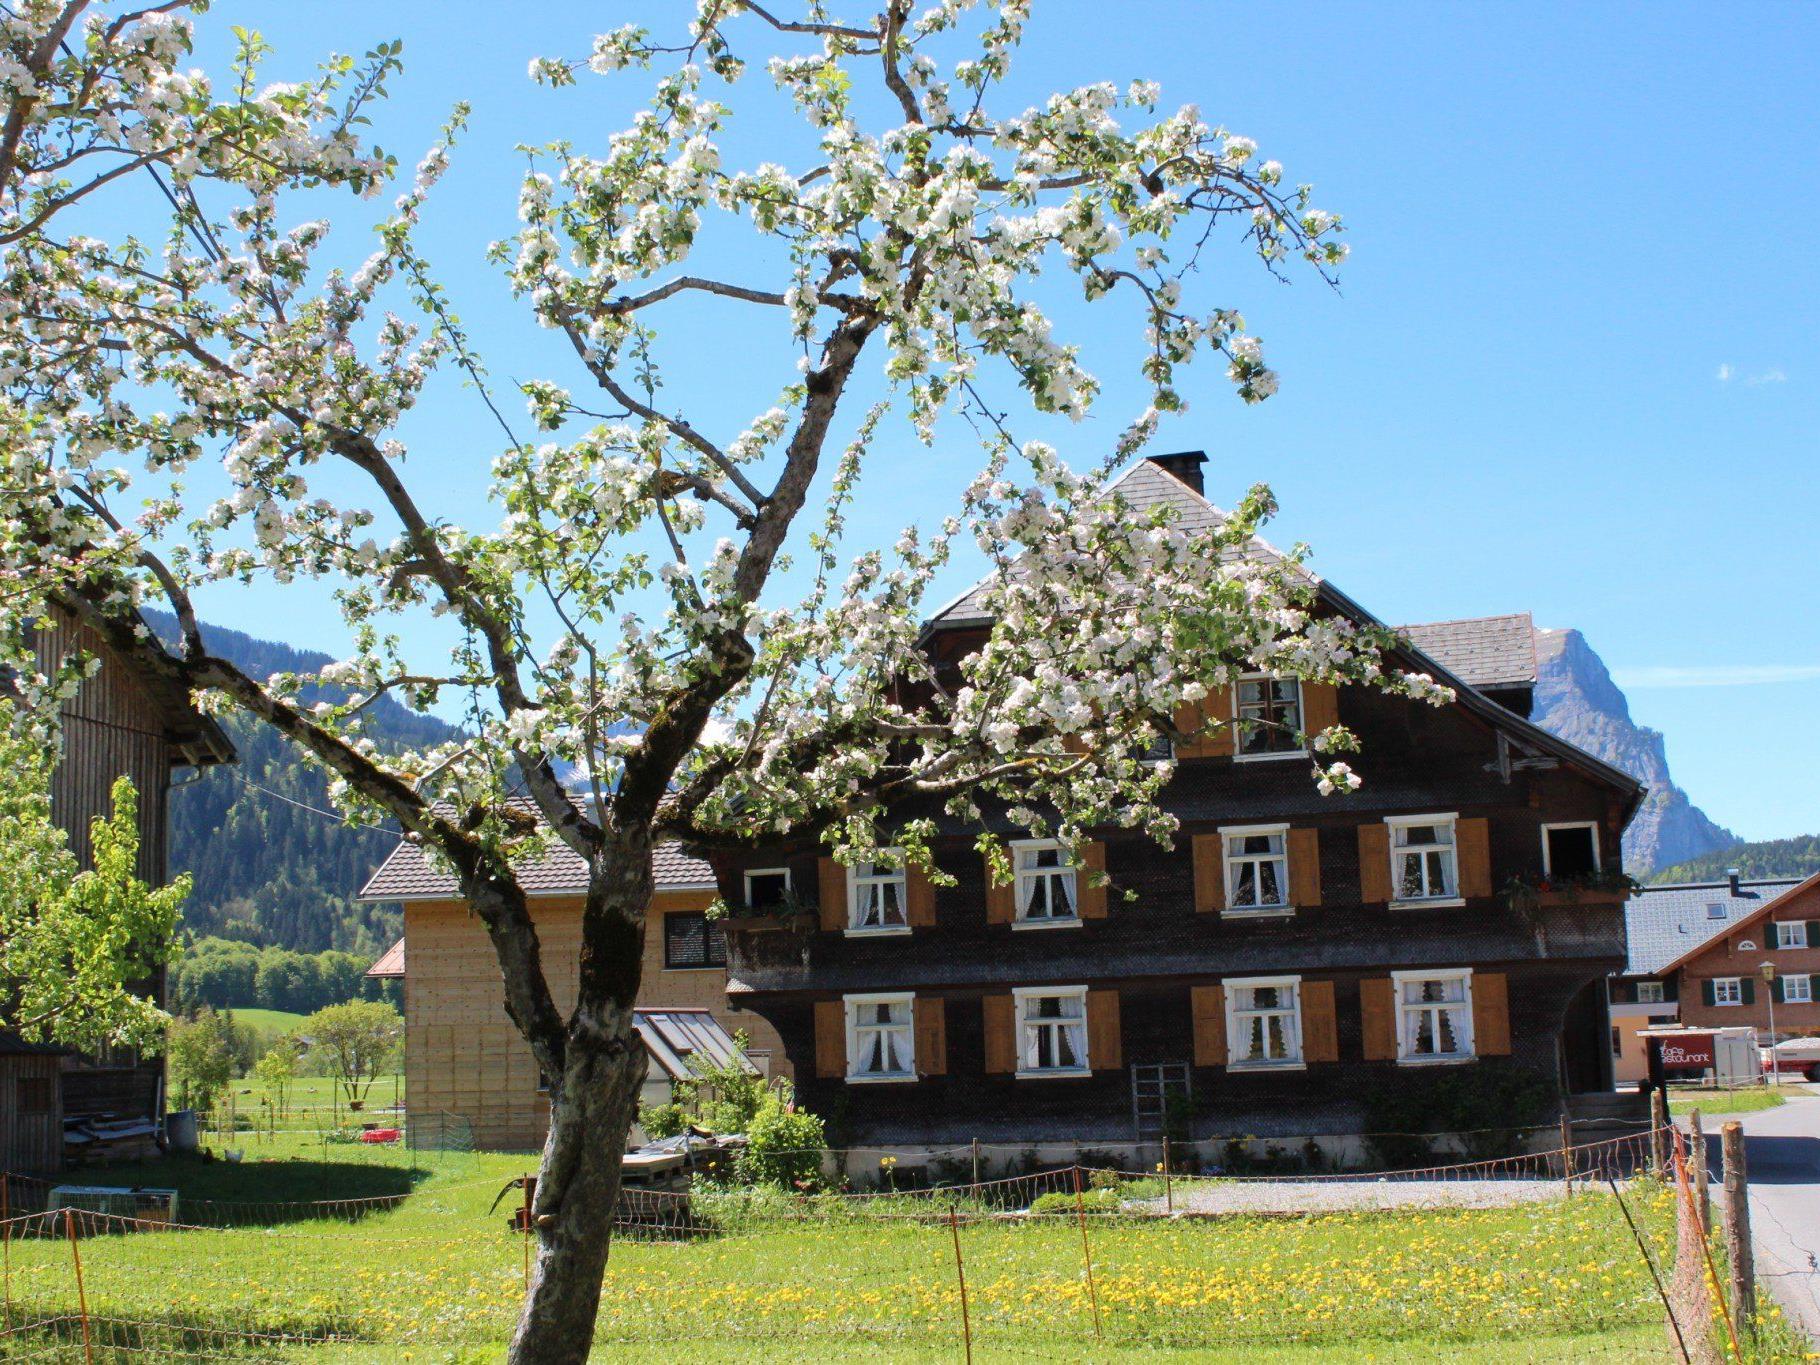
270	1022
439	1278
1746	1101
312	1103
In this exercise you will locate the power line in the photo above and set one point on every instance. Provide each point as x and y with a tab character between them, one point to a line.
343	821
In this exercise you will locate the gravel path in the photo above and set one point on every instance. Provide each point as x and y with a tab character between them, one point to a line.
1336	1196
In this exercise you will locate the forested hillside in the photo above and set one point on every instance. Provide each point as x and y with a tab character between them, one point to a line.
272	864
1796	857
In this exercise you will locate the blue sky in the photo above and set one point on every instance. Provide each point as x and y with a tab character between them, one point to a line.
1571	368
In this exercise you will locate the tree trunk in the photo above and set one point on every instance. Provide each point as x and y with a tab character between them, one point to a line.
592	1105
577	1189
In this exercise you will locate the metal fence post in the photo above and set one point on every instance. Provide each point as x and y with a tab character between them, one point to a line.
1080	1213
69	1226
960	1273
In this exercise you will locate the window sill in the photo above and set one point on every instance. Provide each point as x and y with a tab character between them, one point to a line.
1262	912
1055	1074
909	1079
883	931
1074	923
1266	1066
1270	757
1435	903
1436	1061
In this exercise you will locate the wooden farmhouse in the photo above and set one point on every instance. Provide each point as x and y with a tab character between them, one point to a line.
1294	960
465	1061
120	723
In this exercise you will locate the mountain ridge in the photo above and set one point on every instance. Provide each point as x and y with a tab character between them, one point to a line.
1576	699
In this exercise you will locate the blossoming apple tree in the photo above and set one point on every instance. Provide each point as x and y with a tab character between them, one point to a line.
632	666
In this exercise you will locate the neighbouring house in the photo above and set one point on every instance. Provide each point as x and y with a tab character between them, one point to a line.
465	1059
1664	924
1293	962
121	722
1762	964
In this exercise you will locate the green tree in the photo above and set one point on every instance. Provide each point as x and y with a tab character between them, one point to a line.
204	1056
276	1070
358	1040
73	940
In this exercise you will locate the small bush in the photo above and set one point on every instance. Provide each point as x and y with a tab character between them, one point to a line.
1063	1201
783	1147
663	1120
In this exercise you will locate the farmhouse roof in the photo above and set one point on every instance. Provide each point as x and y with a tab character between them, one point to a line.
1487	651
1678	927
407	874
390	966
1148	484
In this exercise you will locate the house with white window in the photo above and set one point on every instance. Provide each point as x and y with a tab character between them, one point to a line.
1289	959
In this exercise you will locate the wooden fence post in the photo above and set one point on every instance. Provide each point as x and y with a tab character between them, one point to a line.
1703	1199
69	1226
976	1161
6	1241
960	1273
1658	1125
1080	1213
1737	1229
1567	1154
1168	1178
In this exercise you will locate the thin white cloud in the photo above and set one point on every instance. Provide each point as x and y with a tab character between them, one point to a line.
1725	374
1728	372
1767	377
1715	675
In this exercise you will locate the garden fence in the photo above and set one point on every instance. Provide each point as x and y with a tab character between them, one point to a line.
1052	1264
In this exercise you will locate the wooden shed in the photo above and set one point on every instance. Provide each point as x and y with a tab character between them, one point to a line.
121	722
31	1105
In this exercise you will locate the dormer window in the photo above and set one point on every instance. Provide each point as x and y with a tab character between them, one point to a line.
1268	712
1045	883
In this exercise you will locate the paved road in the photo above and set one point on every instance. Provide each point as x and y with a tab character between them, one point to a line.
1782	1154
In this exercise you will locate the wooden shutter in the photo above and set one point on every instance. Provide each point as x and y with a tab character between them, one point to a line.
1001	901
1209	1025
1320	707
931	1017
1709	994
919	898
1378	1018
1304	867
1001	1034
1747	989
1209	874
1105	1045
830	1038
1320	1026
1490	1015
1473	844
1813	933
1196	720
1374	864
1777	991
832	878
1092	899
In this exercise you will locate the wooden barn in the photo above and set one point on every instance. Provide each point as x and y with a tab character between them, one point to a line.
120	723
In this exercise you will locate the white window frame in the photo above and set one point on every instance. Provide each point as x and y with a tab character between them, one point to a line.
1734	987
1238	734
1020	996
1229	871
1800	928
1807	988
1661	993
853	1003
899	873
1018	877
752	872
1448	818
1235	1017
1598	860
1408	1058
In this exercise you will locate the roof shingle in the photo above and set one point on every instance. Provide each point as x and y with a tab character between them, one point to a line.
407	875
1665	923
1487	651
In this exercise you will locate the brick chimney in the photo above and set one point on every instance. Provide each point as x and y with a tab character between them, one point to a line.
1185	465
